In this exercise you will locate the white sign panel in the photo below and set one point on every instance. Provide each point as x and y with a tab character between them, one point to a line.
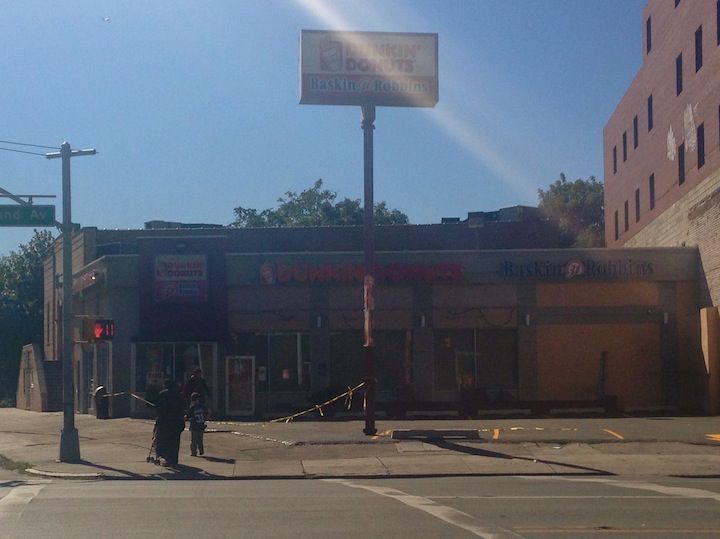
368	68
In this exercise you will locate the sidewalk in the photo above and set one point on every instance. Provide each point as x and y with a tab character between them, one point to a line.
117	448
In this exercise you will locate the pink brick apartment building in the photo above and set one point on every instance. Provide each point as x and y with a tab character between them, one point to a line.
662	143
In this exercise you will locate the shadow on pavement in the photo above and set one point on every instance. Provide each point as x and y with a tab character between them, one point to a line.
218	459
185	472
12	483
179	471
126	473
451	446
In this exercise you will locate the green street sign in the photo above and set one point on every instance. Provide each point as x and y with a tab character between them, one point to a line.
33	215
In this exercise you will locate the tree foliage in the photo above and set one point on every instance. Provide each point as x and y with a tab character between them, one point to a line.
21	305
314	206
578	207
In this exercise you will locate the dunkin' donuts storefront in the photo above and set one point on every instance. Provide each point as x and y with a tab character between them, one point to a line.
508	326
278	331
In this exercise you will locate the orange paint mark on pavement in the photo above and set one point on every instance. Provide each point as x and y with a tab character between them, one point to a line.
613	433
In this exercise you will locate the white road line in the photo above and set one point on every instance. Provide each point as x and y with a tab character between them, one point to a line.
597	497
643	485
442	512
13	504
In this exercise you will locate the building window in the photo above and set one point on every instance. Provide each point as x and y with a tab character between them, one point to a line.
701	145
637	205
678	75
681	164
624	146
651	188
677	2
617	228
627	216
614	159
648	35
288	361
393	359
157	362
47	322
483	361
635	132
698	49
650	110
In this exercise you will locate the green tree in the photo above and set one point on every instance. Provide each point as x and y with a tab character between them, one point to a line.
21	306
315	206
578	207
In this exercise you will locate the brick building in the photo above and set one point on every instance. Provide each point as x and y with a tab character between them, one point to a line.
662	143
484	312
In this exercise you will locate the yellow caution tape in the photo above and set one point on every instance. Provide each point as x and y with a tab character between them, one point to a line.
348	399
121	393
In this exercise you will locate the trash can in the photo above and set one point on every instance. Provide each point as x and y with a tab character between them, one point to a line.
102	402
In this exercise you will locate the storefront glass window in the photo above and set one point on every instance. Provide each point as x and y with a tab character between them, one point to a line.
157	362
476	359
393	359
347	367
454	360
207	365
289	361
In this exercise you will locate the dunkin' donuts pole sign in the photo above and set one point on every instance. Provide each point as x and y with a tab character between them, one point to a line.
368	68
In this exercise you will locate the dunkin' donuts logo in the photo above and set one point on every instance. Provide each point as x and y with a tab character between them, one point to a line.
267	273
331	56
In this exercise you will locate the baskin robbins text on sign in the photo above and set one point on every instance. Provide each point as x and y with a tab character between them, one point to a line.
368	68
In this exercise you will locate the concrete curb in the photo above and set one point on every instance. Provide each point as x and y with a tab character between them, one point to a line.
65	475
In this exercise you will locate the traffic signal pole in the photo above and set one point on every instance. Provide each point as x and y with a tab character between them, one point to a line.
69	439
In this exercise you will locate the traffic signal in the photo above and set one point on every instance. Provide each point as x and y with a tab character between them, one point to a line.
98	329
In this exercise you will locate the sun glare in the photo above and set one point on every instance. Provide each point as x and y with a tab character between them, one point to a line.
464	134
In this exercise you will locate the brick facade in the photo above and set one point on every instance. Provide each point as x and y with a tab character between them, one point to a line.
692	220
662	143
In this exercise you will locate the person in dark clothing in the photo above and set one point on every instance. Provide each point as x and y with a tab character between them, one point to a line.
170	423
196	384
197	415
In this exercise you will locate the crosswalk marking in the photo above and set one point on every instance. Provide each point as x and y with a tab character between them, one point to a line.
14	503
442	512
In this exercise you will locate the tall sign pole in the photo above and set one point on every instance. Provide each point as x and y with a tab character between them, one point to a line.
368	69
368	125
69	440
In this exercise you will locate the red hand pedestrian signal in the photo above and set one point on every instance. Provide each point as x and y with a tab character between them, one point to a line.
104	330
98	329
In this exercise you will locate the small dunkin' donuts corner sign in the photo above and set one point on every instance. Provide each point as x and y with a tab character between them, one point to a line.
368	68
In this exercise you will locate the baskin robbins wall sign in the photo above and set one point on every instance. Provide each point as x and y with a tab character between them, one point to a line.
368	68
578	269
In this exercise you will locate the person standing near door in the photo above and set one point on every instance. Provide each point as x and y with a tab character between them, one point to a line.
196	384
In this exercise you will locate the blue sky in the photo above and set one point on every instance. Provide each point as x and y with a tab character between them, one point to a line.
193	106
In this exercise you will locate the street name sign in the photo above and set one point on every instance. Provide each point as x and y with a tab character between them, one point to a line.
368	68
30	215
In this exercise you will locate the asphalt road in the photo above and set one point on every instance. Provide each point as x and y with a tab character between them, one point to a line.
488	507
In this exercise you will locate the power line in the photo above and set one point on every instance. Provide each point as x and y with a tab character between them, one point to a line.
26	144
22	151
